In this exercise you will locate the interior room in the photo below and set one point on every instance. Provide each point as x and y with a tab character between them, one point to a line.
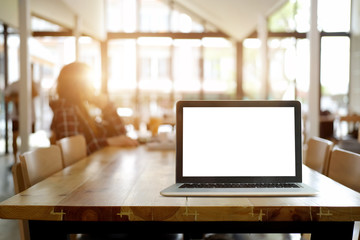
146	55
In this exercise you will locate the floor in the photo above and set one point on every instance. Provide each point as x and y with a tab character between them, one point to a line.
9	229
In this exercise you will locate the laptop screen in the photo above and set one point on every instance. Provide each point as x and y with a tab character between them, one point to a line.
251	141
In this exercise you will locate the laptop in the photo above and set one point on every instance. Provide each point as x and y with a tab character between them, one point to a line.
238	148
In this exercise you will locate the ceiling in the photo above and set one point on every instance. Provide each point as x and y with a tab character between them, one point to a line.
62	12
237	18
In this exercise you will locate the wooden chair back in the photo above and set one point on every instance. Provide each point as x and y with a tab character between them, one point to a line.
39	164
19	186
18	178
352	123
72	149
318	154
344	167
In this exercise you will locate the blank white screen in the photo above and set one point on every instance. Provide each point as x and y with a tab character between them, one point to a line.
238	141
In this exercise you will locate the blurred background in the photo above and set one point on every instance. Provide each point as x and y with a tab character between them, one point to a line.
147	54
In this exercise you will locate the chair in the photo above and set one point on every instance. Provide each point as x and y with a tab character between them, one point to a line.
349	140
72	148
318	154
344	167
35	166
18	178
39	164
351	122
19	186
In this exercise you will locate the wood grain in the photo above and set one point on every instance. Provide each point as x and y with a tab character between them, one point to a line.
124	185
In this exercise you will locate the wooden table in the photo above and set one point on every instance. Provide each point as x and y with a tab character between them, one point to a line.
117	190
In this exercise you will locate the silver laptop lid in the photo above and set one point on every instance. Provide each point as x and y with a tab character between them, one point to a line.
238	141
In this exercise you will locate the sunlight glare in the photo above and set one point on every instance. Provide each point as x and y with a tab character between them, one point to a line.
125	112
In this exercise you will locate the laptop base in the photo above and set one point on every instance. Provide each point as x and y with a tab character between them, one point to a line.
175	191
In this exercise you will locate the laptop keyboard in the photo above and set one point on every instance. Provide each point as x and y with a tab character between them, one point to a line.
239	185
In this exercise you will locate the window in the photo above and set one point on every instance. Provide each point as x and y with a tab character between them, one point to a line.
145	68
334	15
334	19
219	66
335	62
2	87
252	80
292	16
2	68
289	68
282	68
186	66
181	22
122	66
153	53
154	16
90	54
121	15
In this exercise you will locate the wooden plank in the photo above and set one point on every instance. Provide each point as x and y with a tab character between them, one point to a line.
48	194
68	33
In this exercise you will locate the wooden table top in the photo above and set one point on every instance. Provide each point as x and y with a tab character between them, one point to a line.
124	185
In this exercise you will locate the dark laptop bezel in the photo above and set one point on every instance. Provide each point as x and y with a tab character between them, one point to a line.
179	141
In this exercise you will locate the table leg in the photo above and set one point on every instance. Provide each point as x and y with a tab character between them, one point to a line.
335	231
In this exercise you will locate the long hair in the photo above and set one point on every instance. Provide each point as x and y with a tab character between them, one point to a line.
73	85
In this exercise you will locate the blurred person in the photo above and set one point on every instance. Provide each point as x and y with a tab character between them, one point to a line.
12	96
75	98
